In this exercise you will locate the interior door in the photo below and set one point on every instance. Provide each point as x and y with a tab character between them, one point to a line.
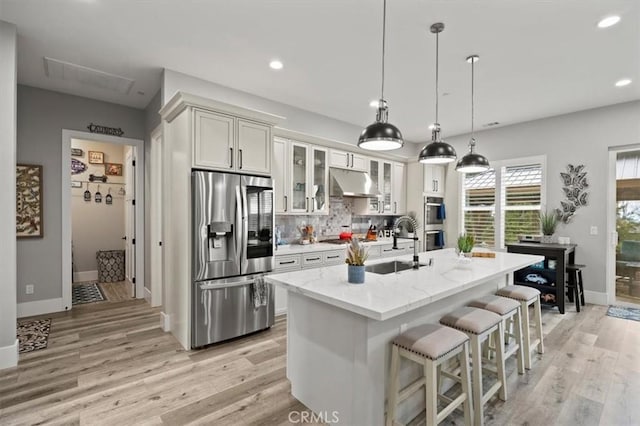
130	219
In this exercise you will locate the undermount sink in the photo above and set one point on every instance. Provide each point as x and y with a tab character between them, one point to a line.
390	267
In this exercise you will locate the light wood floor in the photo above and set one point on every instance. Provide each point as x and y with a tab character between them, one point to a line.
111	364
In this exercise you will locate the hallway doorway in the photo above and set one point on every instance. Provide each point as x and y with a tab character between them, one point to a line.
102	225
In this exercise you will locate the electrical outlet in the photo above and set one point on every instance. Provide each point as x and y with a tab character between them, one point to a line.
28	289
594	230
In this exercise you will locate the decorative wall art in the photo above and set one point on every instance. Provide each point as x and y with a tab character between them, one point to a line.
77	152
96	157
113	169
574	188
28	201
77	166
97	128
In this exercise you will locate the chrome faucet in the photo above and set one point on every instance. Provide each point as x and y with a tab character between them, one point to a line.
414	225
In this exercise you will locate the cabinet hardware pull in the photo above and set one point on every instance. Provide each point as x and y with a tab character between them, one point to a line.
313	204
352	161
385	250
286	201
332	257
287	263
306	206
395	207
347	160
313	258
240	159
231	156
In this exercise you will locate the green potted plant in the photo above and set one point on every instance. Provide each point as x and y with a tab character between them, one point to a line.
548	223
465	244
356	256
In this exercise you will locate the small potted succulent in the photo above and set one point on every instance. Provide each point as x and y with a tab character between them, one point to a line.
465	244
548	223
356	256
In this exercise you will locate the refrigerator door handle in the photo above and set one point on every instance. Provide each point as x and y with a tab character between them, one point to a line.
245	230
214	286
239	226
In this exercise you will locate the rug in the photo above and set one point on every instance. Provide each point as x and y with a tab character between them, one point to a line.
87	293
33	335
624	312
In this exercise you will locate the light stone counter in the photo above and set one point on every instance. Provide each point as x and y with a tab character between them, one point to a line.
338	334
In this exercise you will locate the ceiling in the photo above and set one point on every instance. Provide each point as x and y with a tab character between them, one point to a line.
537	58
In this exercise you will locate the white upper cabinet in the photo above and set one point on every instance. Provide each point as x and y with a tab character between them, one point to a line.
434	180
214	140
347	160
399	191
254	147
303	174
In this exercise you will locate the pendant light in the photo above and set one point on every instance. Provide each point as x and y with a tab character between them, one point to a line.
472	162
381	136
438	151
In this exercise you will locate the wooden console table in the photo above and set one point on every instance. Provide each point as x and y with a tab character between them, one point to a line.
562	254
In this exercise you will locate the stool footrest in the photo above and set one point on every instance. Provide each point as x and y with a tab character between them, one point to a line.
451	407
492	391
410	389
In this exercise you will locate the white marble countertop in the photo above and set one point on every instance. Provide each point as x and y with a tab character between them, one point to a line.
320	246
385	296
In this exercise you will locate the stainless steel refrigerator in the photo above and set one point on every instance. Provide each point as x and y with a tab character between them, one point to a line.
233	247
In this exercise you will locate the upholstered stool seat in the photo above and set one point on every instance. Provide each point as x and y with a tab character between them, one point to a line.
527	296
479	324
430	345
509	310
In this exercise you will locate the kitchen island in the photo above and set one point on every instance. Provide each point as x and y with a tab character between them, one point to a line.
338	334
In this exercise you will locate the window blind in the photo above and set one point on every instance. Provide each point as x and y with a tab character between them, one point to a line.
479	204
521	195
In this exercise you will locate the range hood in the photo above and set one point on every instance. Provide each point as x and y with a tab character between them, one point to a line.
351	183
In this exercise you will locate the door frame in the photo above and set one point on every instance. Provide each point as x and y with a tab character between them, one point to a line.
155	216
67	136
612	235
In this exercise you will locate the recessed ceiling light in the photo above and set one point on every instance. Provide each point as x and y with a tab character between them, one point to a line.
623	82
276	64
608	21
373	103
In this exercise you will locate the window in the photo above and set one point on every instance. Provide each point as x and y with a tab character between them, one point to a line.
503	202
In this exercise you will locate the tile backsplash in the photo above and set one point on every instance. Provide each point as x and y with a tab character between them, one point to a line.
330	226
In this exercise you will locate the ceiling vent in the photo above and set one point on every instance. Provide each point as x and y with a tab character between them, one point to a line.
67	71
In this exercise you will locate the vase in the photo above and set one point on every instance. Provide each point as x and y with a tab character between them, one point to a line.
355	274
547	239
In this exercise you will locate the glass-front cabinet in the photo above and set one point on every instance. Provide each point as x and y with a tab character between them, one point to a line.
380	172
308	177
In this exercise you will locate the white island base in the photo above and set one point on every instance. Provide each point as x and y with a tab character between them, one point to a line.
338	355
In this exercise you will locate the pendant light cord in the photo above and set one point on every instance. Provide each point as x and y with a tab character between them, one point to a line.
473	61
437	55
384	32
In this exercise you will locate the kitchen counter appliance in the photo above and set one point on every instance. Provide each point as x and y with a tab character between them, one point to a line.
232	248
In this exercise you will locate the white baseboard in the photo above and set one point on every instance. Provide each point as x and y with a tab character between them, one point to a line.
82	276
147	295
282	311
9	355
165	322
40	307
595	297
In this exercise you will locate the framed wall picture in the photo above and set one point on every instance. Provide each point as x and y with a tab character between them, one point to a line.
29	201
96	157
77	152
113	169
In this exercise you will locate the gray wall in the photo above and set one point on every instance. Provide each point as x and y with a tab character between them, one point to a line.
8	81
578	138
42	115
296	119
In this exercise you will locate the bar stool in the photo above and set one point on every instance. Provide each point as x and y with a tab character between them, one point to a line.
430	345
509	310
479	324
575	286
527	296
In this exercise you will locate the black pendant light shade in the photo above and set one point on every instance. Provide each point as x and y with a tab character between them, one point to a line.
472	162
381	136
438	151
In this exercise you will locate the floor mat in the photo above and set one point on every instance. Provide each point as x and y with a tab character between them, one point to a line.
624	312
87	293
33	335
